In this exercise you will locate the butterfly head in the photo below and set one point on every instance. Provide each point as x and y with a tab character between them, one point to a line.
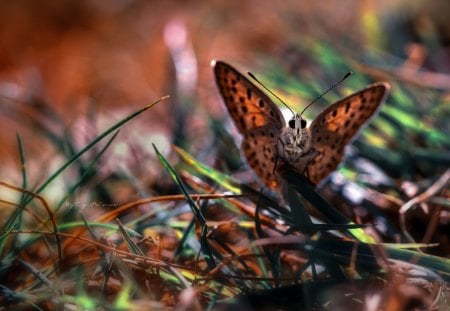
297	122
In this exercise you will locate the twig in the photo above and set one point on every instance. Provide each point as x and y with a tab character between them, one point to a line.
436	187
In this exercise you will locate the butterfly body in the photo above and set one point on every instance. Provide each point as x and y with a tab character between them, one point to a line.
294	141
314	151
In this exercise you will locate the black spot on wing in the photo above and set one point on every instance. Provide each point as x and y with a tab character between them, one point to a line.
347	107
242	123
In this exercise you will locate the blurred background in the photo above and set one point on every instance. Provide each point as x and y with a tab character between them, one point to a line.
69	69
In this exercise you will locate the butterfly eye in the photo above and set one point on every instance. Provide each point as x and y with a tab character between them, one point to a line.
292	123
303	124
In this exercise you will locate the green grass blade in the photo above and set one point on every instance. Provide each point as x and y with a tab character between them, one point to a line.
86	172
221	179
195	210
94	142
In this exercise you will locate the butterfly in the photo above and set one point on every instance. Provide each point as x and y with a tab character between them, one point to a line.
314	151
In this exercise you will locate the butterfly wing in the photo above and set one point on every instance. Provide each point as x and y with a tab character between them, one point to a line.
260	149
335	127
248	106
256	117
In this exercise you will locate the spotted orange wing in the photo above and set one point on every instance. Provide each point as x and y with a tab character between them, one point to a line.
256	117
248	106
335	127
260	149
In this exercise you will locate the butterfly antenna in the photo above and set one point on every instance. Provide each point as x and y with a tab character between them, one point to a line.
348	74
275	95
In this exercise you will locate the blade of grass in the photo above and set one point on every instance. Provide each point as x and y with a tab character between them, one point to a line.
11	222
133	247
186	232
38	274
16	220
51	215
221	179
22	162
94	142
195	210
300	216
341	250
86	172
307	191
271	255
